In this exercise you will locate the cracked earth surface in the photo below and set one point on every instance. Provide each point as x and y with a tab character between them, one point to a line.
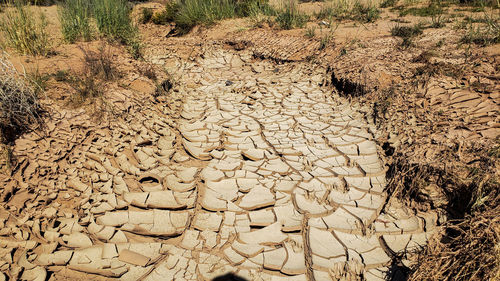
252	168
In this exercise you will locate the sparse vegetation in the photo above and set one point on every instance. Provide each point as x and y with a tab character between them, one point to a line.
357	10
85	86
289	16
37	79
437	21
434	8
485	32
167	15
61	76
25	31
75	16
97	68
205	12
188	13
407	33
365	12
19	106
260	13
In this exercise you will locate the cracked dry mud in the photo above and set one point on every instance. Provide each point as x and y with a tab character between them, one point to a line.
255	169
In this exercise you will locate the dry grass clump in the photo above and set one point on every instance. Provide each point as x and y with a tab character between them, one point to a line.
97	68
19	106
469	250
467	246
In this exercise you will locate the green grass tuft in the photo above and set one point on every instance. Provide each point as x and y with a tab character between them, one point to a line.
24	31
482	31
114	21
75	18
290	17
357	10
188	13
202	12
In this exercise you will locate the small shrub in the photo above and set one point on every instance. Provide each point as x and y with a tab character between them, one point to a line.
188	13
481	36
437	21
290	17
146	15
98	67
252	7
168	15
23	31
42	2
38	80
74	16
19	106
479	5
100	63
326	12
